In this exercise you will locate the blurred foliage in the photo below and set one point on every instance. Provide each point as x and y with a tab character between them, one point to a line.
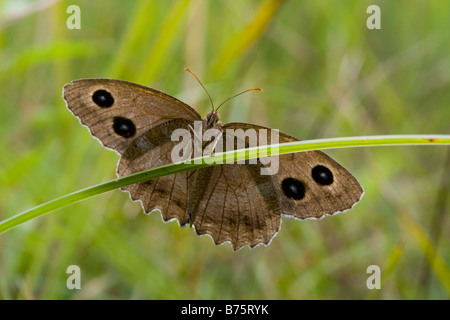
324	74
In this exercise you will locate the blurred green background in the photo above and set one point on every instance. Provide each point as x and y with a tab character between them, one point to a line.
324	74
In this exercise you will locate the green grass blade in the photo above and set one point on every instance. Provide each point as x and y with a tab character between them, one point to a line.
242	154
166	37
244	40
420	236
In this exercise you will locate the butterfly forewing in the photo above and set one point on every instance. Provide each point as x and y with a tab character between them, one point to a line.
117	112
309	184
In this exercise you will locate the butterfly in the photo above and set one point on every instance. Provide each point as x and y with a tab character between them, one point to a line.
230	202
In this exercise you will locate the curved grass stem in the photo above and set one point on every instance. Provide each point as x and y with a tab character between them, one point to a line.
242	154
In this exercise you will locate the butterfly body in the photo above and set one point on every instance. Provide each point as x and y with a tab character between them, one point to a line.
230	202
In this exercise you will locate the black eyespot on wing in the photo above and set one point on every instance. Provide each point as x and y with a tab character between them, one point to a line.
124	127
322	175
103	98
293	188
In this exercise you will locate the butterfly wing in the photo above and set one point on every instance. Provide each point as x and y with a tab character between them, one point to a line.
117	112
136	122
233	202
309	184
152	149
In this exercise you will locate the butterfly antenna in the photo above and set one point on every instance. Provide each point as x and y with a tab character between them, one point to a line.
259	89
192	72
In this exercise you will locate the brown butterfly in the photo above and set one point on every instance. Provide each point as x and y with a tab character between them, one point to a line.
230	202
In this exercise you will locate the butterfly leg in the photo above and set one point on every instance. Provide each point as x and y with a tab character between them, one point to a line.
194	145
214	144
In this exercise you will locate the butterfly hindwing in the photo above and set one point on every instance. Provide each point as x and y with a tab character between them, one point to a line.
233	202
153	149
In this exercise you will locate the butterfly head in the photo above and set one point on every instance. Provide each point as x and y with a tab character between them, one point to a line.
212	120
